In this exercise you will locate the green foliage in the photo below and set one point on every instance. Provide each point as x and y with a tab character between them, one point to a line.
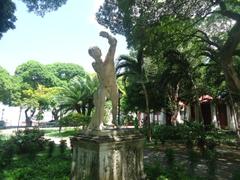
236	175
78	95
45	87
193	159
7	151
7	16
172	171
43	167
33	73
51	147
62	146
9	87
63	133
202	30
29	141
66	71
48	164
132	72
164	132
40	7
74	119
211	157
170	157
190	133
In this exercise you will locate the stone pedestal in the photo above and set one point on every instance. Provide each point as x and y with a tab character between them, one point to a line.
108	155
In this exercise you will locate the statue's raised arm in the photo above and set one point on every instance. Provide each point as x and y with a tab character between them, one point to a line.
112	41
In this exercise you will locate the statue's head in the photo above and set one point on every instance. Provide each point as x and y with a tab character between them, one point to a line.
95	52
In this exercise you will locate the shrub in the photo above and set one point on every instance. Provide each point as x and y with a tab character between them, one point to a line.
166	132
160	172
24	168
191	133
63	146
51	147
7	151
170	157
74	119
29	141
211	157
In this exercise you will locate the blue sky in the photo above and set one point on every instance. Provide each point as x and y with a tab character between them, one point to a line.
61	36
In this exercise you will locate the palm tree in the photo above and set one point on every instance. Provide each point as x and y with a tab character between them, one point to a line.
132	68
78	95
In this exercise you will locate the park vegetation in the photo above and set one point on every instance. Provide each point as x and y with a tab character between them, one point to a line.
179	50
60	88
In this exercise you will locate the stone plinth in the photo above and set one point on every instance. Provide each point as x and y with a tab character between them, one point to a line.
108	155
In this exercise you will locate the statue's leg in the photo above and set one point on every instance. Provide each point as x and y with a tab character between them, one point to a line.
113	93
102	99
98	116
94	124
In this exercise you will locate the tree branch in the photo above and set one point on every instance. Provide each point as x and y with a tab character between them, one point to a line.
207	39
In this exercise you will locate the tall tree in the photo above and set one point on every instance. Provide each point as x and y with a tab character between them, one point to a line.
176	81
132	68
9	88
7	9
33	73
66	71
37	101
213	25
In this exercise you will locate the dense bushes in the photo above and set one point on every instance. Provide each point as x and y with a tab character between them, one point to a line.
17	153
190	133
200	149
7	151
29	141
42	167
74	120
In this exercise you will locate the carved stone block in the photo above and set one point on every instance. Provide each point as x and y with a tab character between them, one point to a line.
108	155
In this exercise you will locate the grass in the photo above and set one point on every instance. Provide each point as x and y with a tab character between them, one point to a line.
40	167
66	132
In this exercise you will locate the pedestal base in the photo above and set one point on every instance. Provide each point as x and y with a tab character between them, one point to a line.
108	155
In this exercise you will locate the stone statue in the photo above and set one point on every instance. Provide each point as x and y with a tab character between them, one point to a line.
107	77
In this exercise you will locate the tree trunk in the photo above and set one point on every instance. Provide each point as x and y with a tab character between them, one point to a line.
78	108
236	114
28	119
226	57
55	113
231	76
175	98
149	132
19	117
83	108
90	107
230	73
